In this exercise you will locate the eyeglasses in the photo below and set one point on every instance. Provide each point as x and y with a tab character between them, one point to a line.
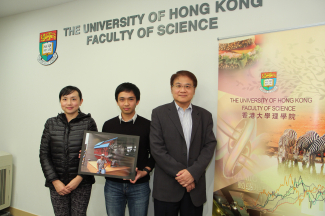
187	87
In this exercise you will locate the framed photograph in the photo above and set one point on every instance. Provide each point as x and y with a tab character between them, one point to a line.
109	155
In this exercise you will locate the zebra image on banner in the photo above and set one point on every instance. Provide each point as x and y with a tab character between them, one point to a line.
270	124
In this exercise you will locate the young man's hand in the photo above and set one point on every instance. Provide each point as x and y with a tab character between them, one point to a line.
139	174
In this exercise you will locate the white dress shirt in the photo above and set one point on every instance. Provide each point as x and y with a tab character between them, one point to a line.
132	119
186	121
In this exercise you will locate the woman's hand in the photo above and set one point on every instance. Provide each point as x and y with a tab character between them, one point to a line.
60	187
74	183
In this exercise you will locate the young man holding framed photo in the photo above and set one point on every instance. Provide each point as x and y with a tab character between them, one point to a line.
134	192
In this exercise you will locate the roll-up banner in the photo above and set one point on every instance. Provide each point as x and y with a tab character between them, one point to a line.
270	125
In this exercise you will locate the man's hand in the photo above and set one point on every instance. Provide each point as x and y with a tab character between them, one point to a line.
74	183
139	175
60	187
190	187
184	178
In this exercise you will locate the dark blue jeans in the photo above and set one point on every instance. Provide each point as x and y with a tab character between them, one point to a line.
117	195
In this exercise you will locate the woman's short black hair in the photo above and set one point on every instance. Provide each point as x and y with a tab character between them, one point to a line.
68	90
127	87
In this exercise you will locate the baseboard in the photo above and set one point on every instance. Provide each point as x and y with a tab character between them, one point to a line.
18	212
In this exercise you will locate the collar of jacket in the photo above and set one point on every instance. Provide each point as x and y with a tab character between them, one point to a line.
81	115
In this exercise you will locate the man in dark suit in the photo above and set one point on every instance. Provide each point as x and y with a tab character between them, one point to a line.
182	143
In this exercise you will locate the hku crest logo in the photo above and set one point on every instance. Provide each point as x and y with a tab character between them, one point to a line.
268	81
47	47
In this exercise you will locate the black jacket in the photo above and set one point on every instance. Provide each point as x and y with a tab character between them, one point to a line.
60	145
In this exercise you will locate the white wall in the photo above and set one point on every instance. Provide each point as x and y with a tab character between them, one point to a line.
29	91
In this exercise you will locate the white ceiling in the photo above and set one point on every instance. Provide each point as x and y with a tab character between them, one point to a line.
12	7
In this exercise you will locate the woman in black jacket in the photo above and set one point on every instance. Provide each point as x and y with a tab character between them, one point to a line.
59	155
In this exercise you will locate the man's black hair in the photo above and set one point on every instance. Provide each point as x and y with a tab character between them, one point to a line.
127	87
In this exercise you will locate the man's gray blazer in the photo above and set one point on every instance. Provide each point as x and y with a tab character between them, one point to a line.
168	147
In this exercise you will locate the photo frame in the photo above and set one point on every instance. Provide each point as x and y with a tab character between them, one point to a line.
109	155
